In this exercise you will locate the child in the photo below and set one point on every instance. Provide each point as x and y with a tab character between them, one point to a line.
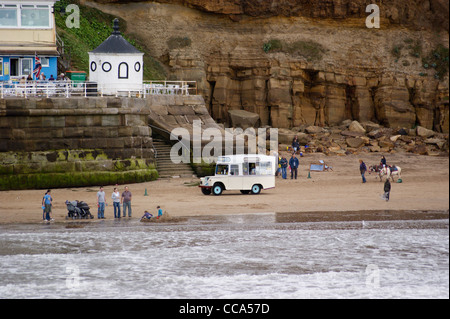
147	215
160	212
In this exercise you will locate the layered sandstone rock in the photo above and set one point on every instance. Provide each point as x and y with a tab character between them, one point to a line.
417	13
356	77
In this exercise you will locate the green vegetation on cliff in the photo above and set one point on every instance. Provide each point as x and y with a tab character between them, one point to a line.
310	50
70	168
96	27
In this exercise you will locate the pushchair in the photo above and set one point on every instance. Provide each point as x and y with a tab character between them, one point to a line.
78	210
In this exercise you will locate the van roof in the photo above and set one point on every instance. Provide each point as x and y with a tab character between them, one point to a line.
240	158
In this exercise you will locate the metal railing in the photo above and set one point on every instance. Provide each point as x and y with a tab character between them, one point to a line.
84	89
170	87
46	89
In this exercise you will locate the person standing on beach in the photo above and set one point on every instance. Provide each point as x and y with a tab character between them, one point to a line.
294	163
387	189
284	164
160	212
47	203
43	207
295	144
362	169
101	203
126	201
116	202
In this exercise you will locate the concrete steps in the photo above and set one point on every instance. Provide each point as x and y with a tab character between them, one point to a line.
166	168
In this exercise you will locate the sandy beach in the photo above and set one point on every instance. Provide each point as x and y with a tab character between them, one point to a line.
334	195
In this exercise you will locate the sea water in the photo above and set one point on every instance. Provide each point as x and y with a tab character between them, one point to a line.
238	256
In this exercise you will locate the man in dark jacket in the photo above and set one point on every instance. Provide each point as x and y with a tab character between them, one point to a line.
284	163
293	163
362	169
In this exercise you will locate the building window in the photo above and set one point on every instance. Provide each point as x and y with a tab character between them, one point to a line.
25	16
45	62
106	66
123	70
26	67
21	67
35	16
93	66
8	15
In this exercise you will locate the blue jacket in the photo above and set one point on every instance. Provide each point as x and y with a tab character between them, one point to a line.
293	162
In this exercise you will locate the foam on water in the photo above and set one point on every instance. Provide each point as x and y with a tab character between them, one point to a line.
227	259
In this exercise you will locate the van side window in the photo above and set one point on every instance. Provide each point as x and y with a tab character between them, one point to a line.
234	170
245	168
265	168
252	168
222	169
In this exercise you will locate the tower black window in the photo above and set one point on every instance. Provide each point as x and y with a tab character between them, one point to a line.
106	66
123	70
137	67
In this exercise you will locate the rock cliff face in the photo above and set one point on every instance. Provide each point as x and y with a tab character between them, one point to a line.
298	62
416	13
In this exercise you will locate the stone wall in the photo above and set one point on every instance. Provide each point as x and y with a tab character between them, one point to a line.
59	142
168	112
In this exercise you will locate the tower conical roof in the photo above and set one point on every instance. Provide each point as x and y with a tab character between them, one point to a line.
116	43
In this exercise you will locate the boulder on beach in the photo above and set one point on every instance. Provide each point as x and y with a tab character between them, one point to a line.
356	127
312	129
285	136
424	132
243	119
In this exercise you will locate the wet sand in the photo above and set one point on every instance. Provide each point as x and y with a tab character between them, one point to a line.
333	195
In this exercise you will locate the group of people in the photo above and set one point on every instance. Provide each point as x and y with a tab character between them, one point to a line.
118	199
42	77
293	164
387	183
147	215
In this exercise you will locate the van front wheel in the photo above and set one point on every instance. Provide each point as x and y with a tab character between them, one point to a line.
206	191
256	189
217	189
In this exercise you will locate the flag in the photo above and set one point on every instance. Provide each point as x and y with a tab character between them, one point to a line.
37	67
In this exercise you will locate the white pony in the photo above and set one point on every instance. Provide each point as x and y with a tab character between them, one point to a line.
389	172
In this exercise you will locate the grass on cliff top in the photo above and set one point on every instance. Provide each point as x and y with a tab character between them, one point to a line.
96	27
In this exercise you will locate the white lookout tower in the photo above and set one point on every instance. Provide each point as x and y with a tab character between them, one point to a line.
116	65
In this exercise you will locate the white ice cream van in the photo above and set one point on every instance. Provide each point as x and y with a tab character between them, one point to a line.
247	173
